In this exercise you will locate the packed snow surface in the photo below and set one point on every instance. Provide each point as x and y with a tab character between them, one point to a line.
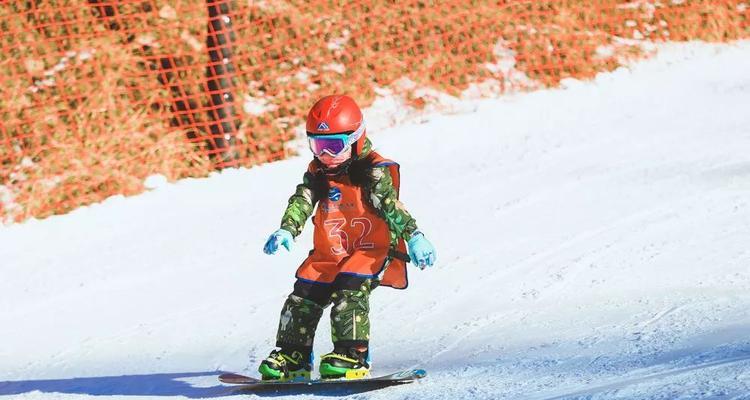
593	242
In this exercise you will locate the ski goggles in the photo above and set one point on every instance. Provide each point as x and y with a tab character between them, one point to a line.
334	144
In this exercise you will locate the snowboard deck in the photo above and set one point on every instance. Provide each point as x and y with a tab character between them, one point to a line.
249	384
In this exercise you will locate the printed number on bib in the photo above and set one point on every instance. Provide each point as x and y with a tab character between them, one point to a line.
337	228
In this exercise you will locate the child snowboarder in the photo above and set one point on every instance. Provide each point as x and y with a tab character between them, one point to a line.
360	241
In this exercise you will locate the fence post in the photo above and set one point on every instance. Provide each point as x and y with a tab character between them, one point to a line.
220	83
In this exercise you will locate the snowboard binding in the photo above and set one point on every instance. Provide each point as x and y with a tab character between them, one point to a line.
286	366
345	363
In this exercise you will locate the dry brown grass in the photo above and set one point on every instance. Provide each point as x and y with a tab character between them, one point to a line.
98	145
74	134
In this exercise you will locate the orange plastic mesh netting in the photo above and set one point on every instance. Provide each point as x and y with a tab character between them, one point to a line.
96	95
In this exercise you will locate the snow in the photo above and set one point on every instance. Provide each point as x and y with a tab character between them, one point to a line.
257	106
155	181
592	243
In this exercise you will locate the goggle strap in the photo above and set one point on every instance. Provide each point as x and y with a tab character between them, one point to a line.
357	134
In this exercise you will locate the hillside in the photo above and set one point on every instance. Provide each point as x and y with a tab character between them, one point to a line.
592	243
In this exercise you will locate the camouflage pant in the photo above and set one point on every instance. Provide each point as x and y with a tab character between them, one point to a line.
350	322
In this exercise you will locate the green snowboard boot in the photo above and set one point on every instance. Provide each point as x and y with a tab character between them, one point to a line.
286	366
345	363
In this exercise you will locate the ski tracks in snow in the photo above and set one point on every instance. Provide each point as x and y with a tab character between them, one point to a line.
611	388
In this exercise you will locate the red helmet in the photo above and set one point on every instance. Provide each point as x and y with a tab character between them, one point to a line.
337	114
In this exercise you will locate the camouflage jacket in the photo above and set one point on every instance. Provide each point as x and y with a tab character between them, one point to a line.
379	192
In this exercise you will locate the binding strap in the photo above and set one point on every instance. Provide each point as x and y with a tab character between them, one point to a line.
393	253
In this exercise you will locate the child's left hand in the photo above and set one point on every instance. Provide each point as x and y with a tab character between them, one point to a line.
421	251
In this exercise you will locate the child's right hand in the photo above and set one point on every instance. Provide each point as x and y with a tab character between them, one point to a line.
281	236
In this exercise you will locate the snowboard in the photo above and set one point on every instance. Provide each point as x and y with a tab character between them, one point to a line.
332	386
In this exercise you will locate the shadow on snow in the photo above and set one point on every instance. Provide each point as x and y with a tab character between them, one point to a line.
172	384
128	385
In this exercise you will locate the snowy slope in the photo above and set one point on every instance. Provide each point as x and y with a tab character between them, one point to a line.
592	243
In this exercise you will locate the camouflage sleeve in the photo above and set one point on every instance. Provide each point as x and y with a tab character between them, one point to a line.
301	205
384	198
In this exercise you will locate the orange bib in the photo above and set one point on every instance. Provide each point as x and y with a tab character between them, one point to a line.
350	237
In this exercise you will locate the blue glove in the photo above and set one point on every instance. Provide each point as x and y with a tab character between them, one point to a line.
282	237
421	251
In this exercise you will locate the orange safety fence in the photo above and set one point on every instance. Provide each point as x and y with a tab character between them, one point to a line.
96	95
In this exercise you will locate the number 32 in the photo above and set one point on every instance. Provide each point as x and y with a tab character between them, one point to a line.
335	230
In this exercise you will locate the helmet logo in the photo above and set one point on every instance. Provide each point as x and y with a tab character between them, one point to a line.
334	194
323	126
